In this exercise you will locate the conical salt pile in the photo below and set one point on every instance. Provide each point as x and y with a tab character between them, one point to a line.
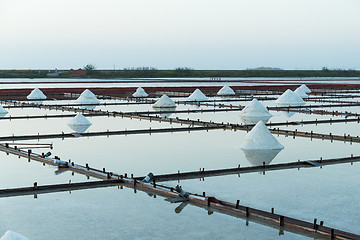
289	98
10	235
87	97
226	91
300	92
36	94
140	92
197	96
260	138
164	102
260	146
79	123
255	109
305	88
254	112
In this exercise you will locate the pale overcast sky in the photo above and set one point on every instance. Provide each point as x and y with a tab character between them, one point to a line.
201	34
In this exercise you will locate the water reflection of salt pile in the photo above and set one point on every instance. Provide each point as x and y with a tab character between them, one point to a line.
288	114
166	112
3	111
87	97
140	92
225	91
260	146
289	98
197	96
38	95
79	123
10	235
254	112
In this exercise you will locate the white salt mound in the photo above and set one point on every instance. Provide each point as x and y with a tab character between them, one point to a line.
198	96
301	93
260	138
10	235
165	111
79	123
36	94
305	88
287	114
289	98
255	109
79	119
226	91
87	97
254	112
140	92
87	94
164	102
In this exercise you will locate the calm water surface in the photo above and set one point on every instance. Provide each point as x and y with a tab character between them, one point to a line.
110	213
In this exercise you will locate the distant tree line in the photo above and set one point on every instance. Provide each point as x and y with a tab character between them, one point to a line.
151	72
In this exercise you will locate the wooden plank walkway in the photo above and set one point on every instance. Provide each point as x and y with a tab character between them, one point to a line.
269	124
108	133
316	121
188	111
355	104
46	116
202	173
301	109
321	112
35	189
281	222
16	104
204	125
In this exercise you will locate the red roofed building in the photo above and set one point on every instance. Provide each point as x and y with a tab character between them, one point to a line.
77	73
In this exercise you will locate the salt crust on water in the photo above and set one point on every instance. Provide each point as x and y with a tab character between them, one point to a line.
255	109
36	94
164	102
225	91
198	96
260	138
140	92
300	92
290	98
87	97
10	235
305	88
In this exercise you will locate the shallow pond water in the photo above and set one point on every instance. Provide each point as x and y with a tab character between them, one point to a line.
110	213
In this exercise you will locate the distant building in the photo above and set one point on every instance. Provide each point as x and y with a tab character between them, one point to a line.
77	73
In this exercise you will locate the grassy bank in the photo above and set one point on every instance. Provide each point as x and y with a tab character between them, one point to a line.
108	74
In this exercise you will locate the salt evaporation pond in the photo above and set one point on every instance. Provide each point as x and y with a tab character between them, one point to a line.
113	213
292	187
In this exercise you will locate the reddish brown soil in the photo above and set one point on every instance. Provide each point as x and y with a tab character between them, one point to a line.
127	91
